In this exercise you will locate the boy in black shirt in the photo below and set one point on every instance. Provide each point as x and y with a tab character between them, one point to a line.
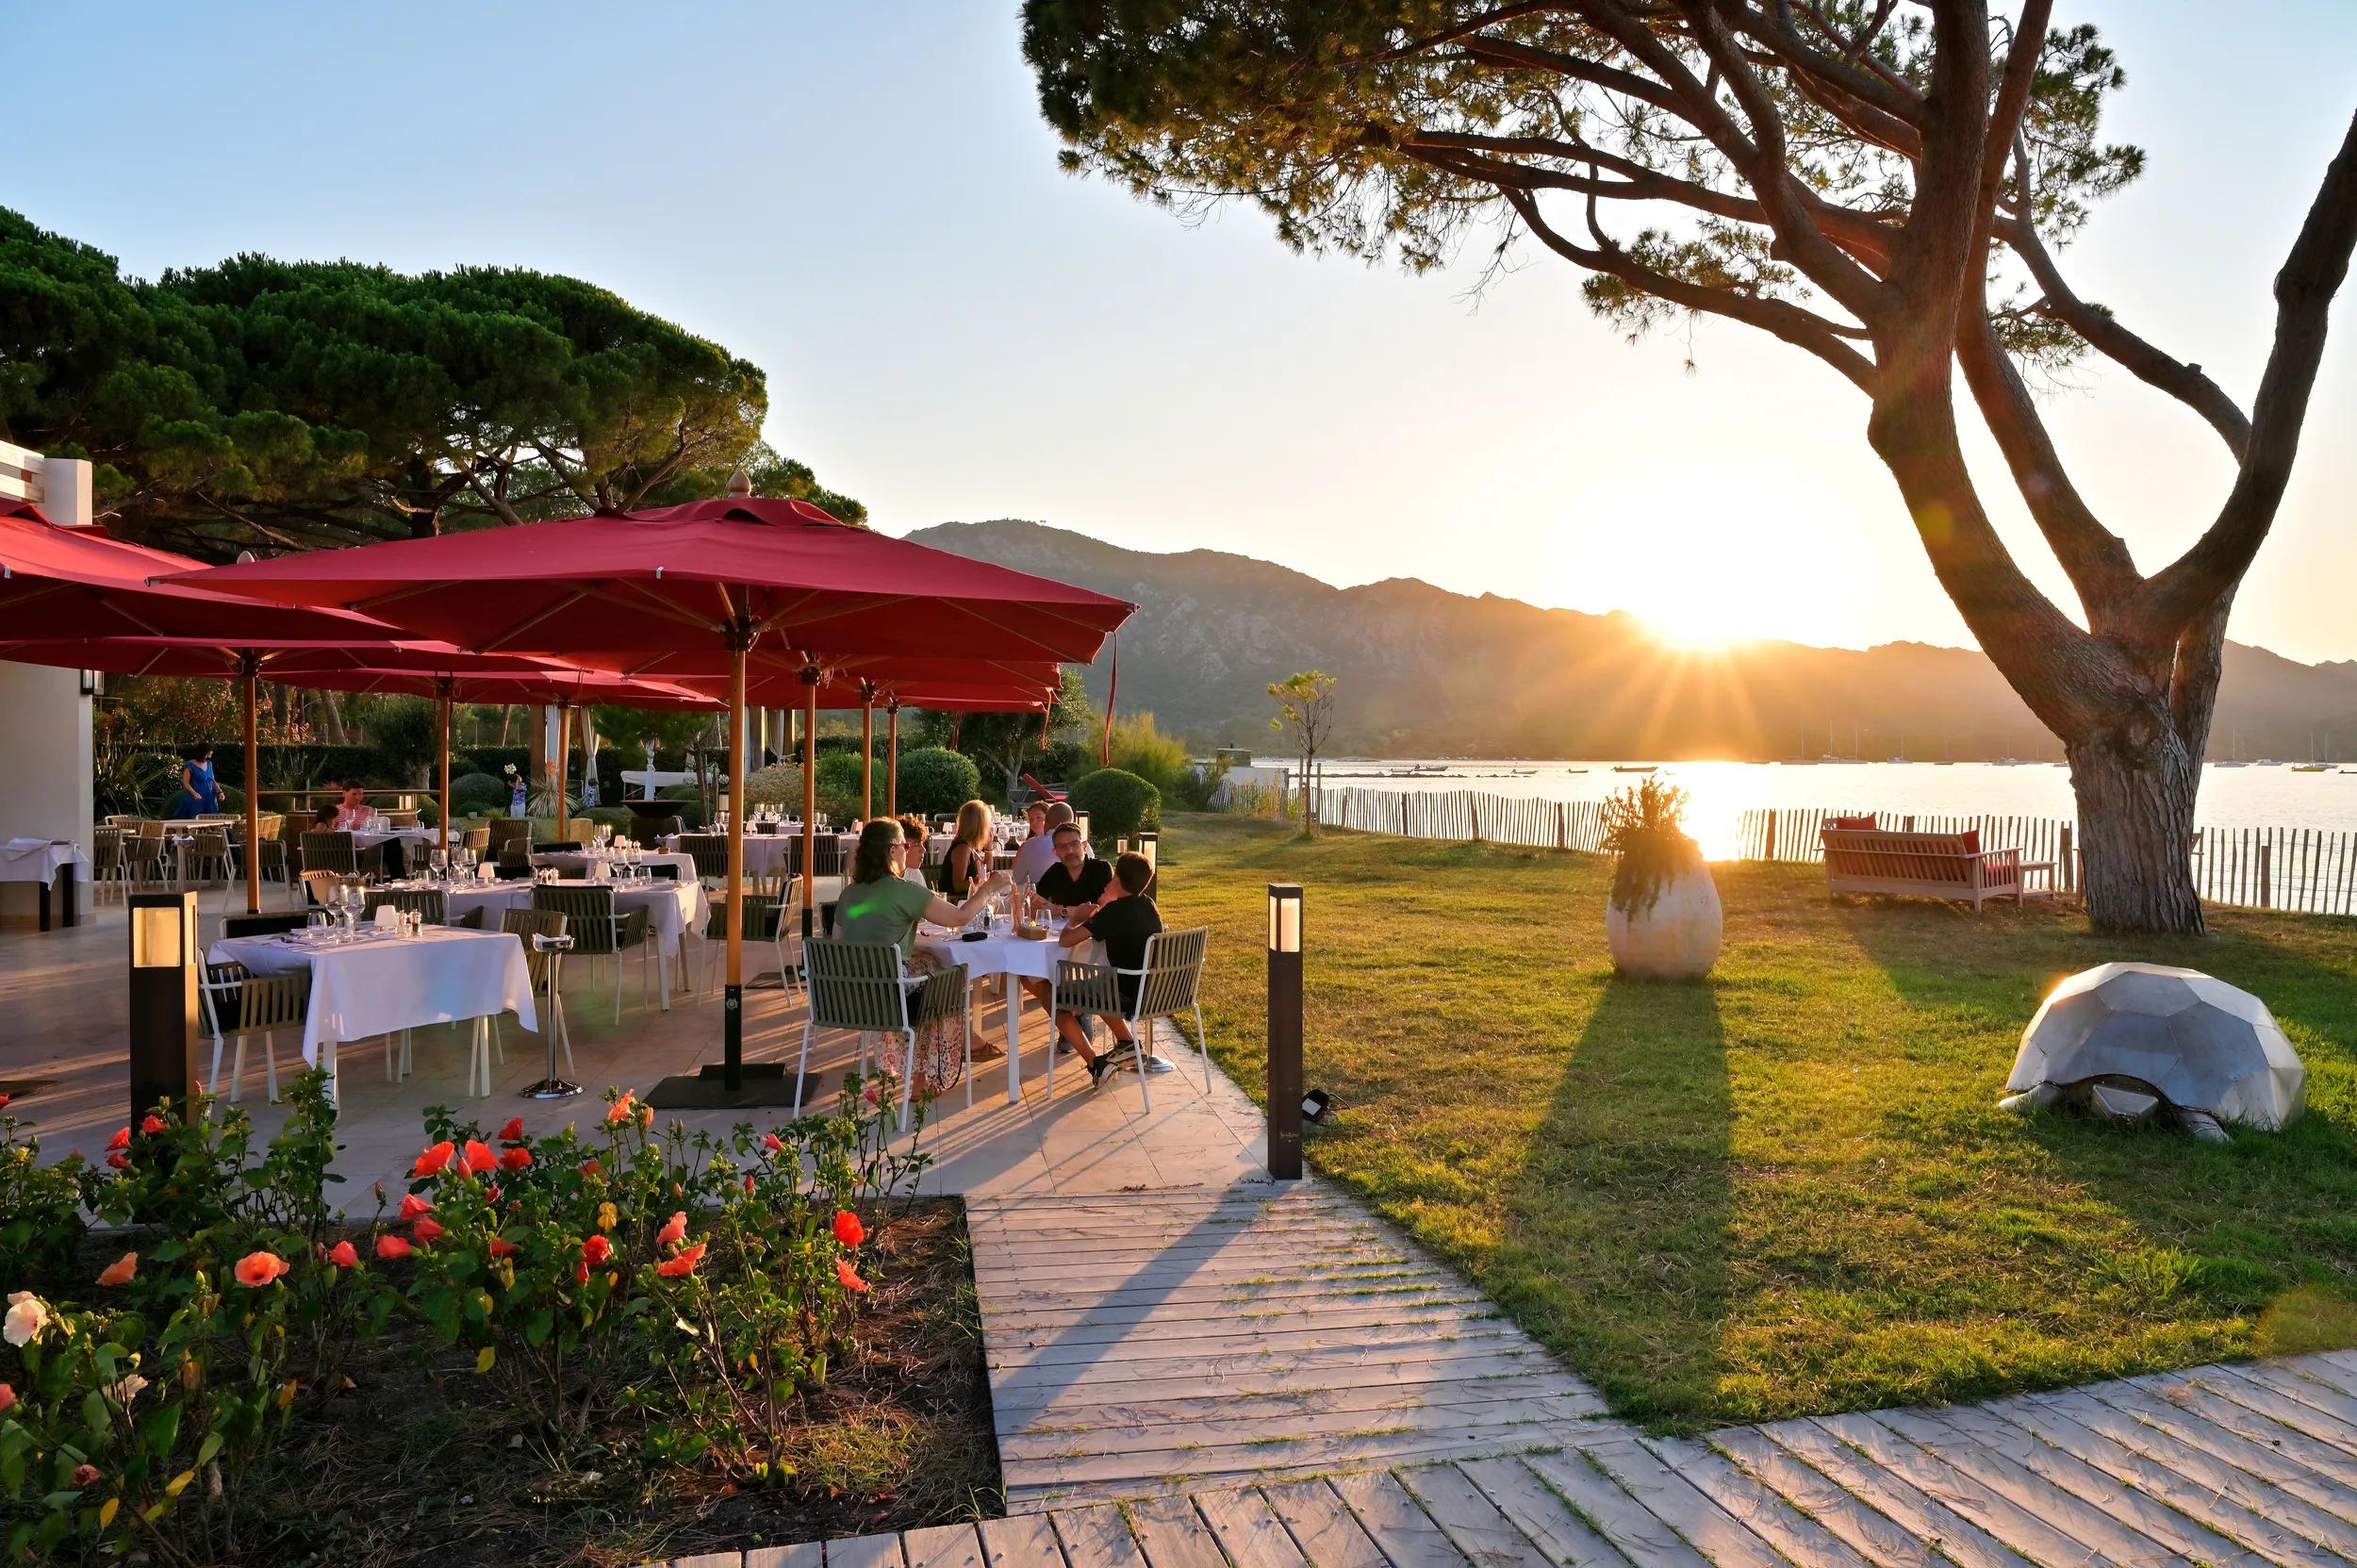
1126	921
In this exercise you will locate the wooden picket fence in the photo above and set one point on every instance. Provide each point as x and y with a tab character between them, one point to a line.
2307	870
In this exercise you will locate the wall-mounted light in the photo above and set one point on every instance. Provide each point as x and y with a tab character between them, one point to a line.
91	685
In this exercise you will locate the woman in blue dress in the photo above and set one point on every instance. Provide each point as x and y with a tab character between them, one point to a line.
200	793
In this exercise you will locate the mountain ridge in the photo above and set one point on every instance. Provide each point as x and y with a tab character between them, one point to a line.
1425	671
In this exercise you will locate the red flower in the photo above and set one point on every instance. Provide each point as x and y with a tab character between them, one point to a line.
513	1131
848	1230
672	1268
425	1227
7	1396
122	1271
434	1161
517	1157
412	1206
590	1167
4	1105
119	1160
491	1193
772	1142
121	1140
749	1183
155	1123
342	1256
501	1247
596	1249
85	1475
257	1270
479	1157
849	1276
581	1272
621	1110
392	1246
674	1229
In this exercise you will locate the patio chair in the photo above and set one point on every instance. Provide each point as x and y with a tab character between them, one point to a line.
649	833
1170	983
860	986
597	925
208	860
502	829
477	839
106	860
241	1005
261	925
402	818
514	858
334	851
826	856
710	851
427	901
771	915
269	850
528	926
316	885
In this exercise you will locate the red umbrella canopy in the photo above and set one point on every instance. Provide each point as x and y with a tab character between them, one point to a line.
837	692
286	662
85	583
538	688
683	580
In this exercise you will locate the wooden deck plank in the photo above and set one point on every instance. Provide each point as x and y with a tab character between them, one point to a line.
1022	1540
802	1554
2077	1518
1248	1529
2199	1403
1397	1523
1154	1347
865	1551
1324	1388
1211	1432
1670	1499
943	1546
1232	1459
2301	1404
1755	1504
710	1560
1560	1534
1173	1534
1498	1355
1874	1536
1473	1524
1634	1530
2041	1541
1251	1290
1096	1536
2112	1442
1958	1538
1329	1534
1563	1399
2266	1461
1214	1320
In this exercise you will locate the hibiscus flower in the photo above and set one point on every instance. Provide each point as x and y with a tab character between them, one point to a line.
434	1160
122	1271
27	1314
479	1157
155	1123
515	1159
848	1230
501	1247
674	1229
620	1110
412	1205
596	1249
342	1255
122	1138
672	1268
849	1276
425	1227
392	1246
257	1270
513	1131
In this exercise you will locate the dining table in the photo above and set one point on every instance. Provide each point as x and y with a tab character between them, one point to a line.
998	950
674	909
40	861
382	983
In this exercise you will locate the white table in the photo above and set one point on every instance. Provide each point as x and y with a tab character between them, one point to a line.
574	863
37	860
673	908
1017	959
383	985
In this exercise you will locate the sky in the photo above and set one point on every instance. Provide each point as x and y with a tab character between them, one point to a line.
862	199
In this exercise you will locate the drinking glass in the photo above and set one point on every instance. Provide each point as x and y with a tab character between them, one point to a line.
439	858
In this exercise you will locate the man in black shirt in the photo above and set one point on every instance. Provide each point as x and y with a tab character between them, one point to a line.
1125	920
1071	886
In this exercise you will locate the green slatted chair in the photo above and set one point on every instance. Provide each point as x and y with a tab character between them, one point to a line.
597	926
1169	984
427	901
710	851
773	913
860	986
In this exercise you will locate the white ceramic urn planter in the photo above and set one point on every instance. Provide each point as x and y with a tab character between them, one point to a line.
1677	938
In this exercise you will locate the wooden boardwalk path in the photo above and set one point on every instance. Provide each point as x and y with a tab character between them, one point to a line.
2243	1466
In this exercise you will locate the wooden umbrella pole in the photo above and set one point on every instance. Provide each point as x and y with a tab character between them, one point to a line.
442	807
810	796
892	758
247	667
564	745
733	912
866	752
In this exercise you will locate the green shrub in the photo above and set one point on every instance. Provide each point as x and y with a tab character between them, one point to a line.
779	784
936	781
1140	747
476	789
838	784
430	815
1118	803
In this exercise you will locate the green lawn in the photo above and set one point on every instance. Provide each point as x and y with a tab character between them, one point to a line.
1788	1189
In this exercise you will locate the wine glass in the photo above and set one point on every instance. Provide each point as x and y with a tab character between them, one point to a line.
440	860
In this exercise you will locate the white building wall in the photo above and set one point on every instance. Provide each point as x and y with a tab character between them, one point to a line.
46	766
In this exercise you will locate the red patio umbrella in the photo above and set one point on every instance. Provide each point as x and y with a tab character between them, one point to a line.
748	584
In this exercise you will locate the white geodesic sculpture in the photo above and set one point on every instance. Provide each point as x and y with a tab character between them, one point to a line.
2119	1032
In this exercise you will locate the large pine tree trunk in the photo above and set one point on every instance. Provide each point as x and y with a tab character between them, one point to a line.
2135	791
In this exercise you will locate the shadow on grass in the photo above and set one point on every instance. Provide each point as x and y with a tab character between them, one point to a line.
1615	1239
2246	1245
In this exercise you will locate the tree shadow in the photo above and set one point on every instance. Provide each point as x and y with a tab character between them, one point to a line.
2227	1248
1614	1242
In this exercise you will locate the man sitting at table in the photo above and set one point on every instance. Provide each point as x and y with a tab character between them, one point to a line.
1072	886
1039	851
1126	921
354	809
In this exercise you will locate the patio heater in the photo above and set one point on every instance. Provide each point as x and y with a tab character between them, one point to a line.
1284	1030
163	1002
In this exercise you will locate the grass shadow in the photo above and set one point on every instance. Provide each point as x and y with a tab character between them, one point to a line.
1614	1245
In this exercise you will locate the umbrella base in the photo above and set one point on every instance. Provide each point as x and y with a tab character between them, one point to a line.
766	1084
550	1088
747	1070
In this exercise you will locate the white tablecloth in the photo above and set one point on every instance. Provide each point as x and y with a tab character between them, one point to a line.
363	838
37	860
672	907
766	853
1004	954
574	863
383	984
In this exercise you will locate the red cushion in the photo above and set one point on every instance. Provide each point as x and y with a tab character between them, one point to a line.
1971	838
1866	822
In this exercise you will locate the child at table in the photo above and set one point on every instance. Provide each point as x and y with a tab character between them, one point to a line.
1124	919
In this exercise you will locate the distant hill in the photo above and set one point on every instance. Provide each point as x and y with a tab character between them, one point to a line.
1427	671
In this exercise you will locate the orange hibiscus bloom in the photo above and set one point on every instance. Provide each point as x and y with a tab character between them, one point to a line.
434	1160
257	1270
342	1255
122	1271
392	1246
674	1229
672	1268
848	1229
849	1276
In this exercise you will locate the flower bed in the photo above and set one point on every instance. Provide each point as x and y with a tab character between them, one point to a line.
549	1346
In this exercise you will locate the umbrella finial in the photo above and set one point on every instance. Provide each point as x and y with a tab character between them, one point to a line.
740	484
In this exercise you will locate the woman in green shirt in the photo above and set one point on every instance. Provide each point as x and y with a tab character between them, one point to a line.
879	905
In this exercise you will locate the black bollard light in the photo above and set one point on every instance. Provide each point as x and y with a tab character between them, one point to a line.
1284	1030
163	1001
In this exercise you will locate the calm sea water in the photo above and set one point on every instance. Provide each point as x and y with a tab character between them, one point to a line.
2251	797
